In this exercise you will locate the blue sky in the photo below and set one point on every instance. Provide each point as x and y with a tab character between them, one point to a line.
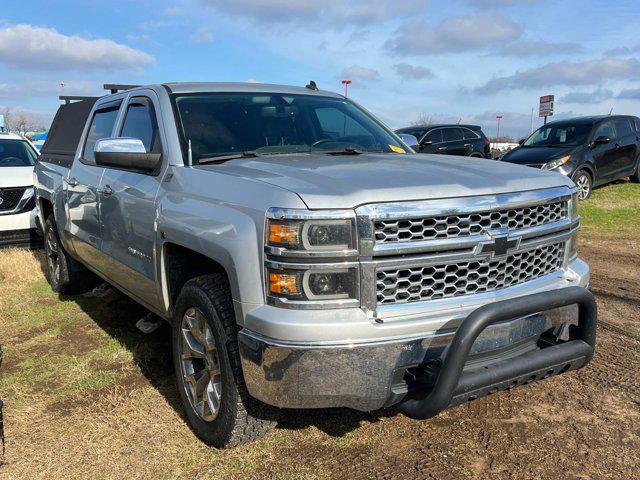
466	60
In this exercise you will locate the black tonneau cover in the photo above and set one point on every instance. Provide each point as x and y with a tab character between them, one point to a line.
65	132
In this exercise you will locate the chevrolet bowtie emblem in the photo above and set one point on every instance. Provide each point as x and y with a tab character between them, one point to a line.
500	244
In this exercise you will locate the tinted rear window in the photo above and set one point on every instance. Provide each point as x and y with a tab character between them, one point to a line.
452	134
623	127
470	134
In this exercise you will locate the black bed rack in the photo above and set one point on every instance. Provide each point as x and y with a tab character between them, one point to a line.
112	87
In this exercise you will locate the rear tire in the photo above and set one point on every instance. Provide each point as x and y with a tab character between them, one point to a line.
583	181
208	370
64	274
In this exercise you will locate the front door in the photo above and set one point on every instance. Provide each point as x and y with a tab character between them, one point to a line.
81	189
128	207
605	156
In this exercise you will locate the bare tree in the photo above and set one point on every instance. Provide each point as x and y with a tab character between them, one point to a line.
423	119
19	121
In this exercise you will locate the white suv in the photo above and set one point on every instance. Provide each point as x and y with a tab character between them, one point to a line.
17	200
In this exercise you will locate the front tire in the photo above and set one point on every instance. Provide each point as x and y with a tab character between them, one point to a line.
64	274
584	183
207	364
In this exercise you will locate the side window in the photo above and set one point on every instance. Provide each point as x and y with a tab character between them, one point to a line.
335	124
452	134
470	134
140	122
101	127
434	136
623	127
637	121
605	130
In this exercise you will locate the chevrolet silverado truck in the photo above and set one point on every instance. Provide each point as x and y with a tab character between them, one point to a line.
306	258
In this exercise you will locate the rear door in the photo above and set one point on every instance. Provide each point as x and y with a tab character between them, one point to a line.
627	147
81	188
605	157
453	142
128	207
432	141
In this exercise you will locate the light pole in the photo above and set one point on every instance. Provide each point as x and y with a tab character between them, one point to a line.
346	84
499	117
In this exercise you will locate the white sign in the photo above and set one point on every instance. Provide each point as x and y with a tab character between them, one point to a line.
546	105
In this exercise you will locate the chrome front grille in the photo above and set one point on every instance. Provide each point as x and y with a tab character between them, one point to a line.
421	283
468	224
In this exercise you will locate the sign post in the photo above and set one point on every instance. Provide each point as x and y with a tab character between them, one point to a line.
546	106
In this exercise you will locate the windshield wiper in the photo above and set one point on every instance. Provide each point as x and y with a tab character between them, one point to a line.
225	158
345	151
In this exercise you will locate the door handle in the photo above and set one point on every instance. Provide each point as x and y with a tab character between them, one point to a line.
73	182
467	145
106	191
442	149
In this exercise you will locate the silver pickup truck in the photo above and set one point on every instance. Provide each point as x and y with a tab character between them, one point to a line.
306	257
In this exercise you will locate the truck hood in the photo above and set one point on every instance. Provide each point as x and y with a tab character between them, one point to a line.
324	181
16	177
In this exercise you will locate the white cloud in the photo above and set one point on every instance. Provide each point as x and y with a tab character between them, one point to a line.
531	48
456	34
42	48
593	97
334	12
413	72
589	72
360	73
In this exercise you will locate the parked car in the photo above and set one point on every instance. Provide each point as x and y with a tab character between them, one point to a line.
306	259
590	150
465	140
17	198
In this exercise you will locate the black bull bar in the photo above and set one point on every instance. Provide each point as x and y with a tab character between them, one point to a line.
454	385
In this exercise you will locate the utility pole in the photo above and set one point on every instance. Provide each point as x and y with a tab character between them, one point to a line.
499	117
346	84
533	109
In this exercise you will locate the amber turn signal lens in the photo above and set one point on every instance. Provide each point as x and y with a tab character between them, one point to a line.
280	234
282	283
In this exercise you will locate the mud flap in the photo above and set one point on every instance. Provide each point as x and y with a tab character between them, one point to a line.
454	385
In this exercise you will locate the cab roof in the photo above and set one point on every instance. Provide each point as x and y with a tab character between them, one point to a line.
10	136
239	87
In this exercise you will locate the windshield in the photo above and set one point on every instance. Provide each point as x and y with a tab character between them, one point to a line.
558	136
222	124
16	153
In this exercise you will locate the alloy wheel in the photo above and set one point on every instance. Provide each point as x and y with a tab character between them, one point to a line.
201	373
584	186
53	257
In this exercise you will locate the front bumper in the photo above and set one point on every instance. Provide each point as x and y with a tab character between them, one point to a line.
369	376
19	230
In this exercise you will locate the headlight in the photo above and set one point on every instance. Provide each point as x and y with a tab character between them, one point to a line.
310	259
315	284
307	231
556	163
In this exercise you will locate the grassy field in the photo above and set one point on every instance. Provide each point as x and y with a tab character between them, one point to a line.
613	211
89	396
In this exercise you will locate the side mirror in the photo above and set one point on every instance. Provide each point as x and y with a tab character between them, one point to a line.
521	141
410	140
125	154
601	140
